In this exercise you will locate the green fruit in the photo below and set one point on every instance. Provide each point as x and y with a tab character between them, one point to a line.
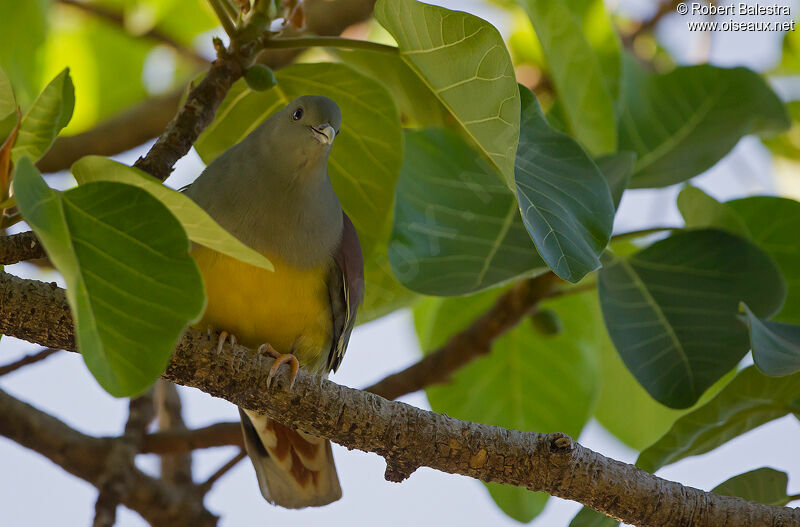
260	78
547	322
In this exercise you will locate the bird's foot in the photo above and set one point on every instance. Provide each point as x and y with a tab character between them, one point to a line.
223	336
280	358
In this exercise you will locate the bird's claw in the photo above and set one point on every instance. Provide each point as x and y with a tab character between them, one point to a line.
280	359
223	336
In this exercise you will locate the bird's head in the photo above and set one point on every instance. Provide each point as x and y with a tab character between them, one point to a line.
312	122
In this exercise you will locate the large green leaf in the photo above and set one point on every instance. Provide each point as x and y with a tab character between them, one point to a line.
49	113
762	485
464	62
522	384
774	225
563	197
775	345
368	152
699	210
457	227
23	26
8	103
199	226
584	61
682	122
750	400
417	104
131	283
644	419
617	169
671	309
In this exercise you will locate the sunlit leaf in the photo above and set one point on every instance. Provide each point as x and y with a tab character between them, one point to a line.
750	400
49	113
131	284
477	86
672	309
699	210
23	25
457	227
199	226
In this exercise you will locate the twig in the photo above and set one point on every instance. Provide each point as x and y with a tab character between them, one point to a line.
26	360
330	42
117	19
225	20
469	344
642	232
207	484
666	7
405	436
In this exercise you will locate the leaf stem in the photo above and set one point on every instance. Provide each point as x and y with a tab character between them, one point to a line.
222	14
331	42
643	232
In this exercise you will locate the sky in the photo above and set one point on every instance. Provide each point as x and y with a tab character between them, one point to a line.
35	492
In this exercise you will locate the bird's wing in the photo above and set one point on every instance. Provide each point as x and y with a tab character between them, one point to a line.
346	290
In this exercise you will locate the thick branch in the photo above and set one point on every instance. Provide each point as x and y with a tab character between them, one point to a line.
407	436
168	441
87	457
469	344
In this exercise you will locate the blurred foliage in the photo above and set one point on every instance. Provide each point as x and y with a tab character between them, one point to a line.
459	181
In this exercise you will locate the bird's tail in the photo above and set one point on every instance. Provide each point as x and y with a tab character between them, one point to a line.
294	469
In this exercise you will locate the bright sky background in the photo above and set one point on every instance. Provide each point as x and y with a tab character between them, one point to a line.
34	491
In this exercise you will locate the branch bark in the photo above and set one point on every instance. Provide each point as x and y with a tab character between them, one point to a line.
19	247
405	436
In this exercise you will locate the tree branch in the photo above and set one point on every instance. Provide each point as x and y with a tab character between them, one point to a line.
176	468
26	360
87	458
16	248
405	436
471	343
117	19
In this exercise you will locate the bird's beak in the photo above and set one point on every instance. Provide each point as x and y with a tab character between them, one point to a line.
325	133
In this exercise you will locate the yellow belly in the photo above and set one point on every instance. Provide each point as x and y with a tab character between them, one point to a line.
287	308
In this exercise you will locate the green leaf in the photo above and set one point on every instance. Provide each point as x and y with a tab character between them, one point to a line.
199	226
671	309
417	104
750	400
565	202
762	485
587	517
49	113
457	227
8	104
477	86
775	345
774	225
131	284
617	169
699	210
682	122
23	26
366	158
583	57
521	384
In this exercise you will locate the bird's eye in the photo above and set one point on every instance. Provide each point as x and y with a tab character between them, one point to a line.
298	114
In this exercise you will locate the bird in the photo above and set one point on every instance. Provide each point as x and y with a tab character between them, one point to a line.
272	191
